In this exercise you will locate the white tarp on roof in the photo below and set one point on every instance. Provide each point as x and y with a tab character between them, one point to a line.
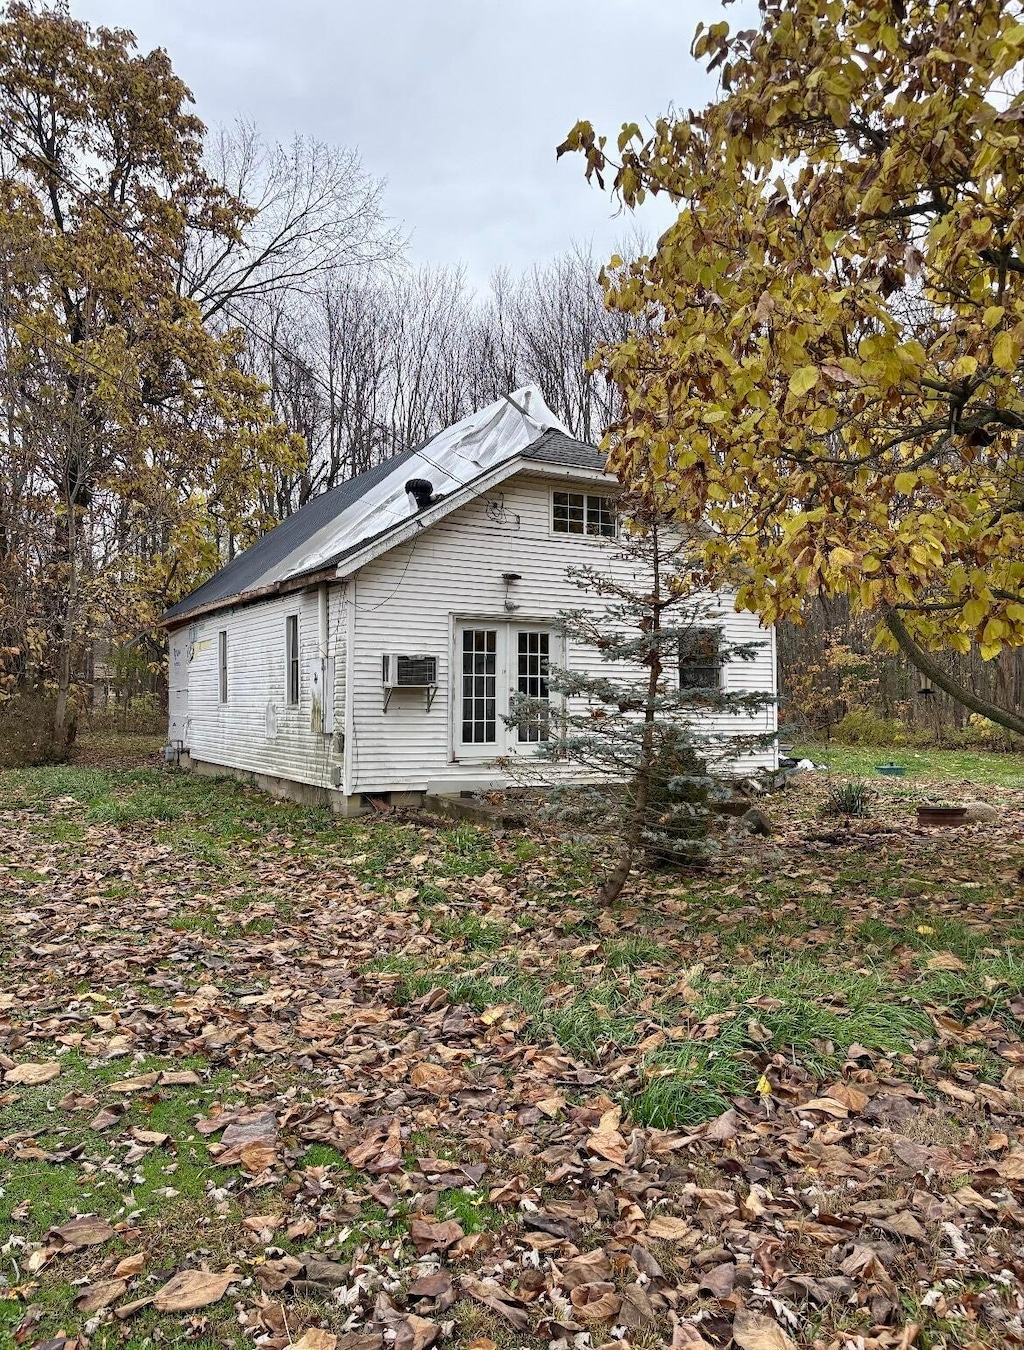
450	461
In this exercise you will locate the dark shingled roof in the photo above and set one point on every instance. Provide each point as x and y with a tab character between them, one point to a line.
243	573
555	447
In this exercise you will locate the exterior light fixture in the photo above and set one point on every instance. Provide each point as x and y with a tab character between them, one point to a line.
508	578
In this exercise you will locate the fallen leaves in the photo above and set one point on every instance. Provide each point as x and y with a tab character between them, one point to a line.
191	1289
31	1075
85	1232
484	1162
755	1331
606	1141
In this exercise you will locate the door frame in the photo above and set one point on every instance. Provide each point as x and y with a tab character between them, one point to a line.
506	624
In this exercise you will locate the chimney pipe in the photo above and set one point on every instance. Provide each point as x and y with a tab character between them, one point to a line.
422	492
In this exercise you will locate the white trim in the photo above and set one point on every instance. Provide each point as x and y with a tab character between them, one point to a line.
348	599
289	656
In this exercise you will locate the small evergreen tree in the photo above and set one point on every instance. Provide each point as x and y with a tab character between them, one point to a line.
642	731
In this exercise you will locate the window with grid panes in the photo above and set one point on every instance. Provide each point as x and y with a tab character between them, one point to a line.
700	662
532	656
479	686
583	513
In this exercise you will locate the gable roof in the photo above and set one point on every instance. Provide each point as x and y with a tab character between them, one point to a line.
338	523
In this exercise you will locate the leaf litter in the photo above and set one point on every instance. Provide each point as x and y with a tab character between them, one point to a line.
438	1097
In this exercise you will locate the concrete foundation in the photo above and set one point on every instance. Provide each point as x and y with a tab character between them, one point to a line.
283	789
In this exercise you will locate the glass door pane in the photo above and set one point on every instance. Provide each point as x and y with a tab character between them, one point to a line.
479	686
532	665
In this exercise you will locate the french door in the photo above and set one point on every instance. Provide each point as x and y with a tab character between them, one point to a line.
495	661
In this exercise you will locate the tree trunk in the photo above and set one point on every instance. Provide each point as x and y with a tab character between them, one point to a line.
939	676
642	781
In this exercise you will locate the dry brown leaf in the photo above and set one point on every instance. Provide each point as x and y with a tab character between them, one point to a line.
156	1137
685	1336
587	1268
596	1302
31	1075
102	1295
258	1223
434	1237
668	1228
315	1338
828	1105
140	1084
755	1331
415	1333
432	1078
131	1265
179	1078
193	1289
945	961
89	1232
256	1158
606	1141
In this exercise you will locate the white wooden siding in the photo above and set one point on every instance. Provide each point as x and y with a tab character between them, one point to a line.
407	601
256	729
410	599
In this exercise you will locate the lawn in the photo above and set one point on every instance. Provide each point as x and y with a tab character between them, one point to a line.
937	766
272	1078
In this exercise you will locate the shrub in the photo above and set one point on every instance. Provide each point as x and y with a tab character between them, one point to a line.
26	732
848	799
867	728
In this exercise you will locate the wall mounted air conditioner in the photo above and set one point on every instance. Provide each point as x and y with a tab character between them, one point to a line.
409	672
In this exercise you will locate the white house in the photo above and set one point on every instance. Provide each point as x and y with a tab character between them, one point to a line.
368	645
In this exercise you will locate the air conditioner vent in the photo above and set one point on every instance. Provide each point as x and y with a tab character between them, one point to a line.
409	672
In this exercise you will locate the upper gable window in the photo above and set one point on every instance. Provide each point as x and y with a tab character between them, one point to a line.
583	513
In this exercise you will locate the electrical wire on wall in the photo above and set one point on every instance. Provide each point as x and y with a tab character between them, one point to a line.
369	609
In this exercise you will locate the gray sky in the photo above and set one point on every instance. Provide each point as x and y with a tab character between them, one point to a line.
459	104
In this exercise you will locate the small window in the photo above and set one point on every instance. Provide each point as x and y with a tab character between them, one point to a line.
583	513
222	664
291	656
700	661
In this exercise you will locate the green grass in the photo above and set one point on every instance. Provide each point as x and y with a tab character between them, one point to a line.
941	766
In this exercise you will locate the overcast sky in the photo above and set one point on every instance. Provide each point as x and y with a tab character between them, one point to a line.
458	104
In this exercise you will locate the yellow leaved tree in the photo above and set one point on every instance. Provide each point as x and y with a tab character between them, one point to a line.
830	369
131	437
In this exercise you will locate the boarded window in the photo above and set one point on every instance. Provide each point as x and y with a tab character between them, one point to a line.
700	661
291	653
222	664
583	513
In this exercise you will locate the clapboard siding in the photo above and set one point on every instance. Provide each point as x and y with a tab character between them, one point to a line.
256	729
408	600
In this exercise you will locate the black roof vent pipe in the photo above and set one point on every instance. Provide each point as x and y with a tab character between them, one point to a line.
422	492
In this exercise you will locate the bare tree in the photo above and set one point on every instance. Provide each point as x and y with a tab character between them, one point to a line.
314	212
